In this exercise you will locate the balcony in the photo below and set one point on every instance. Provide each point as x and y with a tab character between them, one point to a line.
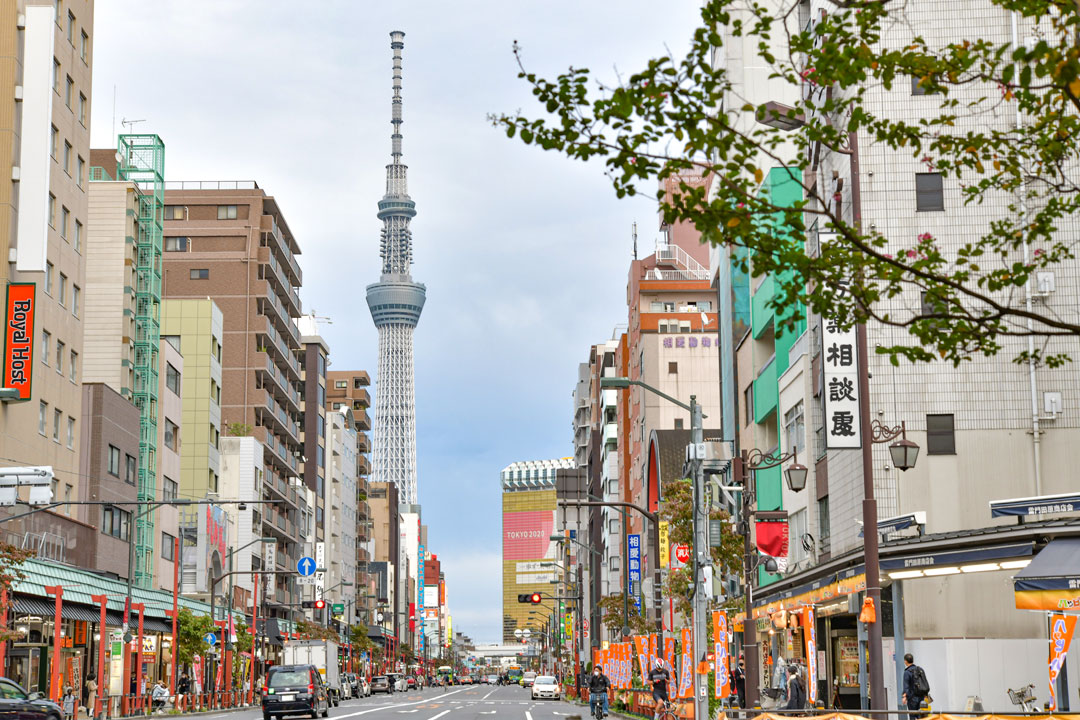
609	398
766	391
611	433
270	269
761	313
272	415
363	443
363	420
272	237
363	466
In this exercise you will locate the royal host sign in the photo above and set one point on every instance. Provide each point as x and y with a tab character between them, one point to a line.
19	339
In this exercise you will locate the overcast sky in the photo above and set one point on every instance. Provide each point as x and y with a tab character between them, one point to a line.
524	253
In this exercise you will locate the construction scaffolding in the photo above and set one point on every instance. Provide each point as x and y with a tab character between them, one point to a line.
141	160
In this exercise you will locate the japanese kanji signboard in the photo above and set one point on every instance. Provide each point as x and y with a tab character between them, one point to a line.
840	363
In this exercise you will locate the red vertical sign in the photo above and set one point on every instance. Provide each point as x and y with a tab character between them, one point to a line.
19	338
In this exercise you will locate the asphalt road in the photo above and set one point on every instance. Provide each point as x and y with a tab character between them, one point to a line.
467	702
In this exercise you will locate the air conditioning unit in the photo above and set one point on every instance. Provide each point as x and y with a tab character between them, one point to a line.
1044	282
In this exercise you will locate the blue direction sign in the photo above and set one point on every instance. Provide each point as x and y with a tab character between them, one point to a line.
210	639
305	566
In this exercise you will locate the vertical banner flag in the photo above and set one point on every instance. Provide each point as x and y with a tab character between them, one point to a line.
627	665
19	339
662	536
654	651
810	635
1061	632
772	539
686	671
720	654
841	375
669	656
642	642
196	672
633	554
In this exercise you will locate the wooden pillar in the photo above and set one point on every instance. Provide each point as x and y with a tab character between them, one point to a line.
55	683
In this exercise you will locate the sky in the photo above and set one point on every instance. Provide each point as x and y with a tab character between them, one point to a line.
524	253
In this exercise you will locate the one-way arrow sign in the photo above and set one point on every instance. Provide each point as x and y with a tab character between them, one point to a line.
305	566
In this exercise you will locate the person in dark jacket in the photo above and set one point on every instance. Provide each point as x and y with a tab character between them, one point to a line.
911	698
598	689
740	682
796	691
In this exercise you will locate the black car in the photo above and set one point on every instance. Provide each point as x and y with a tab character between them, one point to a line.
17	703
294	690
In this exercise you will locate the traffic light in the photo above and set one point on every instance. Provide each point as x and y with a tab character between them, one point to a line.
530	599
307	604
320	604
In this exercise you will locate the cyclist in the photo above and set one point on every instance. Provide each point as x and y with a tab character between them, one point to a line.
598	689
659	678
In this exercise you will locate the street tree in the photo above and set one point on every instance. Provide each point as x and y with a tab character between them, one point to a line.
954	300
190	631
11	574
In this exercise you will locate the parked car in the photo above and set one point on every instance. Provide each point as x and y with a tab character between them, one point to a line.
492	679
527	679
18	703
382	684
398	681
294	690
410	682
546	686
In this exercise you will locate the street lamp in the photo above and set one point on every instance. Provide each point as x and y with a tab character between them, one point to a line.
903	452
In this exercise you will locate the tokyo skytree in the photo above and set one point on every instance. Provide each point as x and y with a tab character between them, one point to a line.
395	303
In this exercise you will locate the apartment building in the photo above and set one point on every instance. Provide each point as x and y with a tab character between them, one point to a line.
171	404
46	78
229	241
341	578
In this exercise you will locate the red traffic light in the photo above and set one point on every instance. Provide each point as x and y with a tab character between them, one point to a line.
535	598
320	604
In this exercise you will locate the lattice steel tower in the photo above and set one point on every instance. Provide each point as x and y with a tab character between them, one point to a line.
396	303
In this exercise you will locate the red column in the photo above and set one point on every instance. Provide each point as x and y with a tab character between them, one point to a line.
54	684
254	641
175	610
141	607
103	601
3	626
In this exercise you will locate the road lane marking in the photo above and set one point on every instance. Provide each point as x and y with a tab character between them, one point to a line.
381	708
488	695
528	715
436	717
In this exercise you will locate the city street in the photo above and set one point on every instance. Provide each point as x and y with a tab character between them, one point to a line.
459	703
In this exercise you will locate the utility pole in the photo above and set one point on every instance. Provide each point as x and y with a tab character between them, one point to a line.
702	561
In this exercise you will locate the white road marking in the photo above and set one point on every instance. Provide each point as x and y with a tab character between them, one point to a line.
528	715
436	717
488	695
380	708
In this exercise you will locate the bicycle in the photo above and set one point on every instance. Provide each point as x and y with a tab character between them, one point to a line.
597	708
1024	697
667	711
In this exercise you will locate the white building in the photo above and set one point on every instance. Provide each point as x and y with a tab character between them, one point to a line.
341	529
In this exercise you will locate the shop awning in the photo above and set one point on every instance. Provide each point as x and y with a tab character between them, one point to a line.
46	609
1052	580
912	565
269	629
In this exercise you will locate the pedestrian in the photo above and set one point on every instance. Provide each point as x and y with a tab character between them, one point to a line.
598	690
91	694
796	690
159	696
740	682
916	686
67	703
659	679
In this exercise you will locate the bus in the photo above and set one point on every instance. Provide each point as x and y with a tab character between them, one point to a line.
513	674
445	673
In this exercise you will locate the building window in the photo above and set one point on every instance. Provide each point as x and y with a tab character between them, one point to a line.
929	192
71	29
69	92
172	435
673	368
169	489
48	278
798	529
82	109
172	378
73	367
78	236
58	417
114	461
46	346
43	416
115	522
65	217
174	212
168	546
176	244
84	45
940	435
52	210
341	384
67	157
80	167
131	471
678	423
918	87
823	524
60	347
200	273
748	405
226	212
320	456
56	76
76	296
212	481
63	290
795	428
71	432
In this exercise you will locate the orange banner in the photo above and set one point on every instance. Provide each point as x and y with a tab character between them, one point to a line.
720	654
686	666
1061	632
810	638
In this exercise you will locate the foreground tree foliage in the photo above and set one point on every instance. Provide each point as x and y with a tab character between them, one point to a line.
664	122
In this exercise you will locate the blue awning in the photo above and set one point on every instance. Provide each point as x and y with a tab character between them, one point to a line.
957	557
1056	567
1042	505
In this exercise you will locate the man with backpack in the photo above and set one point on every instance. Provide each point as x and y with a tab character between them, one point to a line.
916	686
